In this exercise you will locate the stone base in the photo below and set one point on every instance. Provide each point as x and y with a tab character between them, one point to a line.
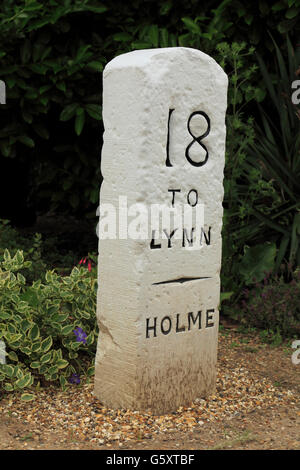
170	359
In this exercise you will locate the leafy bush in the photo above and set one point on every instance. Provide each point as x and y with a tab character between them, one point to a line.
261	216
53	92
50	328
52	55
46	251
274	159
12	240
273	305
236	20
234	58
256	261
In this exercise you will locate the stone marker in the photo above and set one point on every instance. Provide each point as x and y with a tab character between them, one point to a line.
2	92
2	352
158	297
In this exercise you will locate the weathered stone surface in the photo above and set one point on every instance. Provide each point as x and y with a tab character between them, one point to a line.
2	352
2	92
152	352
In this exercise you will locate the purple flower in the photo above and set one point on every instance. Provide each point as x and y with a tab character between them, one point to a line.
80	335
74	379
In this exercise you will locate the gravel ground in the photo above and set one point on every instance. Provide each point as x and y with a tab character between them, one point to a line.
245	387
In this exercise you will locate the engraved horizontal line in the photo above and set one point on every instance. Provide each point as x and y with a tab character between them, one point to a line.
180	280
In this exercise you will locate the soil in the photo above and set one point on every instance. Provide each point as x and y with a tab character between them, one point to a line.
262	427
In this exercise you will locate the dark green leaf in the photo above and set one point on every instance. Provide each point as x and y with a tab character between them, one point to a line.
46	357
68	112
79	123
13	356
61	363
66	330
34	332
35	365
46	344
8	387
123	37
24	139
94	110
24	381
191	25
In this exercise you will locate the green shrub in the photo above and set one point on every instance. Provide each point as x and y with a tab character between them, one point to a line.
273	306
46	251
236	20
274	159
37	324
261	217
238	200
31	246
52	55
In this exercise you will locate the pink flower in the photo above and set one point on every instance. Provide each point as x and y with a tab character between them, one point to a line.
83	261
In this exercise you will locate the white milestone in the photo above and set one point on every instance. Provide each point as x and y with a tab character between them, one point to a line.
159	279
2	352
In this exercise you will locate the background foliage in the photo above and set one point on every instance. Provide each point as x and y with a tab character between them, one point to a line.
38	323
52	54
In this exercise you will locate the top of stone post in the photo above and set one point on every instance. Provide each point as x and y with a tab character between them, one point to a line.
143	57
